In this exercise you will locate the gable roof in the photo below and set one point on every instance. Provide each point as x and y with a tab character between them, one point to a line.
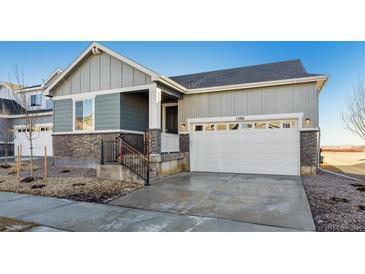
10	107
10	86
243	75
95	48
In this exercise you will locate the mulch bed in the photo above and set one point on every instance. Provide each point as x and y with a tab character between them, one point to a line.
11	225
337	203
78	184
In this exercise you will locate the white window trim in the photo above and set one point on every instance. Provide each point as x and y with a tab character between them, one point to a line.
164	114
248	118
74	100
30	100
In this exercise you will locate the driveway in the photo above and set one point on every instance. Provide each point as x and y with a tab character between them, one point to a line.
277	201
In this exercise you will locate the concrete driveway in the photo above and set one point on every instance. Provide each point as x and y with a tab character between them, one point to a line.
278	201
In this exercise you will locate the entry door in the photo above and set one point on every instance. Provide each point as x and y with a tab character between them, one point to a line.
171	119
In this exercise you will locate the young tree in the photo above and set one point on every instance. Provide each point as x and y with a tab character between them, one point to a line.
354	115
29	118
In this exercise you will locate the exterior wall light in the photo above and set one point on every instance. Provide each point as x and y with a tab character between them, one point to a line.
183	127
307	121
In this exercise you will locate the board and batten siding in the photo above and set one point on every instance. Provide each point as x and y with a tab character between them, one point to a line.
101	72
267	100
134	111
107	111
63	113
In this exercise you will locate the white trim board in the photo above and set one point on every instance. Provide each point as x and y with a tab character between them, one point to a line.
98	131
79	96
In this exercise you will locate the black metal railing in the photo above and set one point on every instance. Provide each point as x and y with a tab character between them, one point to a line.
120	152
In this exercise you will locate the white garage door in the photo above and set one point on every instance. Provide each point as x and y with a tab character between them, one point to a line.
43	137
257	147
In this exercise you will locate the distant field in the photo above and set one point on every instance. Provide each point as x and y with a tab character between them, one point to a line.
346	162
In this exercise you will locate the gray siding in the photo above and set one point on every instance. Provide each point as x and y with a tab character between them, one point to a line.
63	112
40	120
107	111
101	72
134	112
267	100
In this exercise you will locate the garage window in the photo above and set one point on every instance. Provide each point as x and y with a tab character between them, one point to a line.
247	125
209	127
289	124
221	126
274	124
198	128
233	126
260	125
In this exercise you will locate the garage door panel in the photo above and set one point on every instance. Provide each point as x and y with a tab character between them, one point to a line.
244	148
261	151
41	139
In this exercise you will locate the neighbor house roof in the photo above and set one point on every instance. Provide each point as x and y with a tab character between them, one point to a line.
243	75
10	107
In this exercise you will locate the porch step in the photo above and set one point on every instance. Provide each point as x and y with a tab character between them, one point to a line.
117	172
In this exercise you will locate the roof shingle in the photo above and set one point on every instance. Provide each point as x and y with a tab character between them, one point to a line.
243	75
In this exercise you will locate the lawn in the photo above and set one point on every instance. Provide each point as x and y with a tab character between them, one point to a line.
344	162
78	184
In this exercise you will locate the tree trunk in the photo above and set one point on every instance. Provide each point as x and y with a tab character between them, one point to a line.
6	154
31	157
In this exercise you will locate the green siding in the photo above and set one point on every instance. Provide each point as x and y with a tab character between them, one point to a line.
134	112
107	111
63	115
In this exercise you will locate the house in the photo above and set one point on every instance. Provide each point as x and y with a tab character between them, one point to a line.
16	99
259	119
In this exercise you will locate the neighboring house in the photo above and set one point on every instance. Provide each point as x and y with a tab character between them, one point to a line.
39	107
259	119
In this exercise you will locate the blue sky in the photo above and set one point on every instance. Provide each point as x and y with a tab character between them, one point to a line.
343	61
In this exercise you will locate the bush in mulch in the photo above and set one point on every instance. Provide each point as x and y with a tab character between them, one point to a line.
12	172
339	200
65	171
357	185
5	166
38	186
361	189
1	181
361	207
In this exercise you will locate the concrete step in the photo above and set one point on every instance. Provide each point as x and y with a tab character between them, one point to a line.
117	172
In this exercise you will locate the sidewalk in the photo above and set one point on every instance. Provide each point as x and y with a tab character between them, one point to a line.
54	214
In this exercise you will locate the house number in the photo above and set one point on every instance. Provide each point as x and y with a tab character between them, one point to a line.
240	118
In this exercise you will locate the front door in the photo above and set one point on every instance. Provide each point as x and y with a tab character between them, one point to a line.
171	119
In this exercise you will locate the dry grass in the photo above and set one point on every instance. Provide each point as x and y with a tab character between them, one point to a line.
81	189
11	225
345	162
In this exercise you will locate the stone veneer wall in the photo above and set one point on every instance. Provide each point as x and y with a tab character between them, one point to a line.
309	152
154	139
84	149
184	143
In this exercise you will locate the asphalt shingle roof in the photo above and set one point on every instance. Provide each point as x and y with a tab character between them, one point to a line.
10	107
243	75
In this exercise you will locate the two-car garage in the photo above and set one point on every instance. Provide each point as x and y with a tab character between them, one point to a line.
256	145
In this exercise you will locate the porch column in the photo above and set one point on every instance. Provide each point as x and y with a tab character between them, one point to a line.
155	120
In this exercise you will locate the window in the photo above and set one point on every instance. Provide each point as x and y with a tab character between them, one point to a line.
260	125
36	100
19	130
221	126
274	124
246	125
286	125
84	115
198	128
233	126
209	127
